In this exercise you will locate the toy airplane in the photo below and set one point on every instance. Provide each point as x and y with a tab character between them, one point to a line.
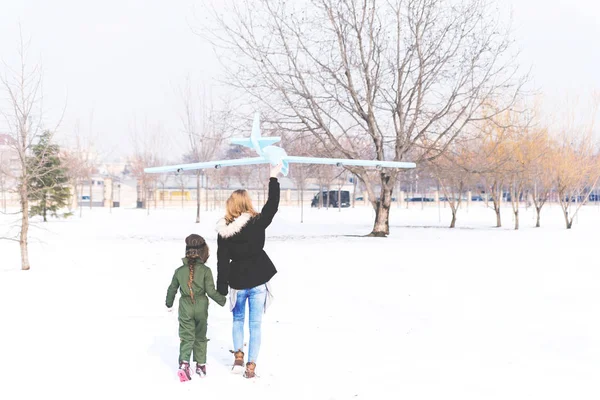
273	155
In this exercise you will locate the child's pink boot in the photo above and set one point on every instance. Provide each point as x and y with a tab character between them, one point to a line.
184	371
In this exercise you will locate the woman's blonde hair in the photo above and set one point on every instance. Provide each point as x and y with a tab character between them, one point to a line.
238	203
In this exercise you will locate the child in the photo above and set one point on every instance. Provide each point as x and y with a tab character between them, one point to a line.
195	281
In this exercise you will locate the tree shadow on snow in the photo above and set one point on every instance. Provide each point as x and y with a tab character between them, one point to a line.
508	228
284	238
436	227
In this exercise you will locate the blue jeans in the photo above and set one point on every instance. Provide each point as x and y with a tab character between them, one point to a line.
256	297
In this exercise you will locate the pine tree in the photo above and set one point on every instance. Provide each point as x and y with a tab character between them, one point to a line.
48	186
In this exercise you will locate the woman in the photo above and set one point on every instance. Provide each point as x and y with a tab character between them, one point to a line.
243	266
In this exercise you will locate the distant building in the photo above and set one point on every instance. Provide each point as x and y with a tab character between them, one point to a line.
9	158
9	171
5	140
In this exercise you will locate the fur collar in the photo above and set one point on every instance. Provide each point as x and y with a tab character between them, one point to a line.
228	230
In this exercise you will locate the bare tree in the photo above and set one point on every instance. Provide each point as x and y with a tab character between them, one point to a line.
576	175
493	159
23	114
528	152
261	180
3	179
453	171
325	176
341	180
540	182
576	170
523	152
403	76
162	179
181	181
300	173
79	161
204	128
241	173
149	144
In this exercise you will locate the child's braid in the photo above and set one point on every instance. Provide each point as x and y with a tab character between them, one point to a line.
192	264
195	249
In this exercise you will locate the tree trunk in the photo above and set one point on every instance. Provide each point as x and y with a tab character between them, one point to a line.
516	196
111	199
453	222
44	207
381	228
154	194
214	198
24	228
568	222
496	191
353	191
302	204
206	193
320	195
80	202
197	197
498	219
3	196
91	187
537	219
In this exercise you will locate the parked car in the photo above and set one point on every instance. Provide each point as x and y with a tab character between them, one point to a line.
421	199
332	198
575	199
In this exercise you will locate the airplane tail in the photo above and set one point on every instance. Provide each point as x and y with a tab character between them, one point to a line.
255	137
256	127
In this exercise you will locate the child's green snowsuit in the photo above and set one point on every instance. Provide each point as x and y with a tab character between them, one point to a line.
193	314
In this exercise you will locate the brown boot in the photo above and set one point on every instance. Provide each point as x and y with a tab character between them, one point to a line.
238	362
250	367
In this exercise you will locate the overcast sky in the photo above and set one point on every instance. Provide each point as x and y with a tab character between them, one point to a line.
122	60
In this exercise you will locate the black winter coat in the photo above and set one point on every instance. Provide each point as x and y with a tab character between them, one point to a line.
241	261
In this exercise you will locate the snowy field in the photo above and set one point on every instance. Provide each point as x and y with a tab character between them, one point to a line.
428	313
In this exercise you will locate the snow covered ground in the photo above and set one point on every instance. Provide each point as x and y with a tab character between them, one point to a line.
427	313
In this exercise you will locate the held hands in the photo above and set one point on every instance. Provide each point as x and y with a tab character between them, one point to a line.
275	170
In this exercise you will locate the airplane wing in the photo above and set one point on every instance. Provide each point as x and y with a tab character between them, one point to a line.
205	165
343	161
